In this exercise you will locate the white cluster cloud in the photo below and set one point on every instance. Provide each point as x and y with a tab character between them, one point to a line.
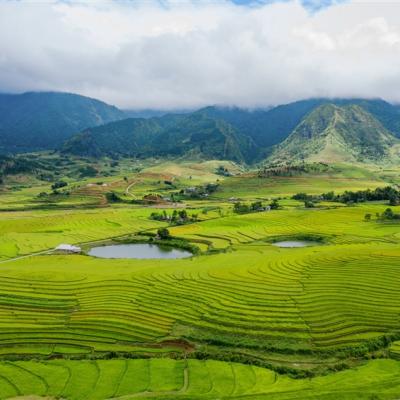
183	54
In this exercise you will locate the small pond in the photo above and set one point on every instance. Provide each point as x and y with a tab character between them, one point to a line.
138	250
295	243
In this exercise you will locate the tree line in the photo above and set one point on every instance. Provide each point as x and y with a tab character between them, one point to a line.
177	217
257	206
387	193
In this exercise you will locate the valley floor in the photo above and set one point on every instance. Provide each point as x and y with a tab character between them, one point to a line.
242	319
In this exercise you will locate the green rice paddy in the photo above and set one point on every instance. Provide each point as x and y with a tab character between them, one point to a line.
189	379
245	319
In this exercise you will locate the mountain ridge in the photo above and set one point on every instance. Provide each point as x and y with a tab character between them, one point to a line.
214	132
44	120
170	135
88	127
332	133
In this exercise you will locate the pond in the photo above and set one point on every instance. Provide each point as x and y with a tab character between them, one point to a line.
295	243
138	250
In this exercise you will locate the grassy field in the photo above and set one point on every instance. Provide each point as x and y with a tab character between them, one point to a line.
79	327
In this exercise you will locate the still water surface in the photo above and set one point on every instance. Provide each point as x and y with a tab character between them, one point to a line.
138	250
295	243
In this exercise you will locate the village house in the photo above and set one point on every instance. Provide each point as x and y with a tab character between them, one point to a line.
68	248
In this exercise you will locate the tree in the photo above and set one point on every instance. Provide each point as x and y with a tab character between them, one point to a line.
58	185
388	214
330	196
174	216
309	204
87	171
113	197
394	199
183	215
257	206
241	208
163	233
301	196
367	217
274	204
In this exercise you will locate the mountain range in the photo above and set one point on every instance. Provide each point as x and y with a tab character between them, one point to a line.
44	120
329	130
193	134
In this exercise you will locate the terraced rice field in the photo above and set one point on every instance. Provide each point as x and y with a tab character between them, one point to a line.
27	232
304	311
315	302
189	379
255	296
340	225
245	187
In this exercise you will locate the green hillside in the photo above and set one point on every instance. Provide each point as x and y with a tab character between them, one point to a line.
317	130
332	133
35	121
271	126
172	135
266	127
44	120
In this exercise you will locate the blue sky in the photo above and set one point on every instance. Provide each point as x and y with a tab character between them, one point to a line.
312	5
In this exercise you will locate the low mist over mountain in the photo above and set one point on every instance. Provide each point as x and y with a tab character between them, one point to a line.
315	129
44	120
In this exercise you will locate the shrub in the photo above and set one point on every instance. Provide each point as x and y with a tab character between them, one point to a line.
87	171
113	197
274	204
163	233
241	208
309	204
58	185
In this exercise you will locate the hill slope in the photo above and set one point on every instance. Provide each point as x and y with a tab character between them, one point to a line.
332	133
266	127
171	135
32	121
35	121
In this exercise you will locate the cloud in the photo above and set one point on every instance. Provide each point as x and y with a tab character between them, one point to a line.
174	54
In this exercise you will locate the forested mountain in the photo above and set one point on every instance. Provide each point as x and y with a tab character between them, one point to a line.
320	129
172	135
84	126
44	120
265	126
333	133
268	127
